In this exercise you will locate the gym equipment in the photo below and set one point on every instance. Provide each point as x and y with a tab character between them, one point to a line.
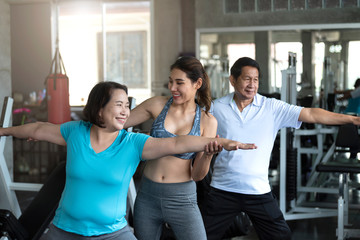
292	193
287	151
218	71
57	84
37	216
8	198
57	91
347	138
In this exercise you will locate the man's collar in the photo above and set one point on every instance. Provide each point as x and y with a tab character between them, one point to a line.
256	102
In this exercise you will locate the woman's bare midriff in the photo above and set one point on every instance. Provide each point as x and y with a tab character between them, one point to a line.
168	169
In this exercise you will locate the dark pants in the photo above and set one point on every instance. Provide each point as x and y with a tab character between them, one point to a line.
220	208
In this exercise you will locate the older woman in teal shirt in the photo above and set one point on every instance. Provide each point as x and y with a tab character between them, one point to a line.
101	159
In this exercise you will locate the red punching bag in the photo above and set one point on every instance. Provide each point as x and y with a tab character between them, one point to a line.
57	90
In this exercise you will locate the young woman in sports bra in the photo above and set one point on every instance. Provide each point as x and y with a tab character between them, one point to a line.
167	193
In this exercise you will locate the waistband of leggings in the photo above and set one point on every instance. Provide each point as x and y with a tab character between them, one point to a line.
159	189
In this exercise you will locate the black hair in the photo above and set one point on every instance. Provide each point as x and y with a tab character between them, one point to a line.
99	96
357	83
236	68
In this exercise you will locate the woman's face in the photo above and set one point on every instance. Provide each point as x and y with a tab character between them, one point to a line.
181	87
116	111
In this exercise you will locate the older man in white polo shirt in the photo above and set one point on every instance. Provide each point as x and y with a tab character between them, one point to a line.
240	178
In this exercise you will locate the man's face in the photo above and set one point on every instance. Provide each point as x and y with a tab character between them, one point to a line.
247	84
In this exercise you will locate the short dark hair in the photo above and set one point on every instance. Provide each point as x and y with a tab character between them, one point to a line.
357	83
236	68
99	96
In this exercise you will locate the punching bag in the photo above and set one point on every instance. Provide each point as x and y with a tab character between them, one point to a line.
57	91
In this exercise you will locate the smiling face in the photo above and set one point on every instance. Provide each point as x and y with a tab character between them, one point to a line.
247	84
181	87
116	111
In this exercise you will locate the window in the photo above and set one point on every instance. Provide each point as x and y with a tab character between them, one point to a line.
280	53
319	65
353	63
124	58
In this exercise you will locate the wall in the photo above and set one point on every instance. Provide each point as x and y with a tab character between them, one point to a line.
315	16
167	42
173	35
188	26
30	46
215	9
5	70
5	63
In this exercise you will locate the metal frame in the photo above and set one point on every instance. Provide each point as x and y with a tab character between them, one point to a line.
8	198
343	210
288	94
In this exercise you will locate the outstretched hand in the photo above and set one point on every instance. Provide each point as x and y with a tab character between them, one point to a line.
235	145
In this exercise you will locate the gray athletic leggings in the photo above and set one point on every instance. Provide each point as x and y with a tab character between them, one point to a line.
172	203
55	233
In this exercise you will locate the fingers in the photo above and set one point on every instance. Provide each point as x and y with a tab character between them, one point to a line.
246	146
31	140
213	147
243	146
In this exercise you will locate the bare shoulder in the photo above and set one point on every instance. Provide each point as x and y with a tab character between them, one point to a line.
208	122
159	100
208	118
155	104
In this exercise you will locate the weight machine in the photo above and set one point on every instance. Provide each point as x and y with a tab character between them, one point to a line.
292	193
8	198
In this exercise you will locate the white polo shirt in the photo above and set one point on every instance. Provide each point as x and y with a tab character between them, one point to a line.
246	171
355	93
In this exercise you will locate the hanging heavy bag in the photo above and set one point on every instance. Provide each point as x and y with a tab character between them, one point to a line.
57	91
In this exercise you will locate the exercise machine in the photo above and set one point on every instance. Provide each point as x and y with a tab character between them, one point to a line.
292	193
8	198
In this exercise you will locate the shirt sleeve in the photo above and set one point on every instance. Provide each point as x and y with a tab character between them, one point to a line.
355	93
211	111
67	128
139	140
287	115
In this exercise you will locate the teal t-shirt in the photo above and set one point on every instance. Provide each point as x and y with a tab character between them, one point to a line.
353	106
94	198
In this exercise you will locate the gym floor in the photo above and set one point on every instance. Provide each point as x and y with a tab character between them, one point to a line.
319	228
312	229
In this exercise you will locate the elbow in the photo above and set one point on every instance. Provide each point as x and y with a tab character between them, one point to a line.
199	176
37	132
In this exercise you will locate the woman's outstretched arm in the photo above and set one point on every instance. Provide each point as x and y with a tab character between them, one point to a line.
41	131
159	147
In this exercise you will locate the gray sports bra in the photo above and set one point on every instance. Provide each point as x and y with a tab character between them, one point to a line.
158	129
